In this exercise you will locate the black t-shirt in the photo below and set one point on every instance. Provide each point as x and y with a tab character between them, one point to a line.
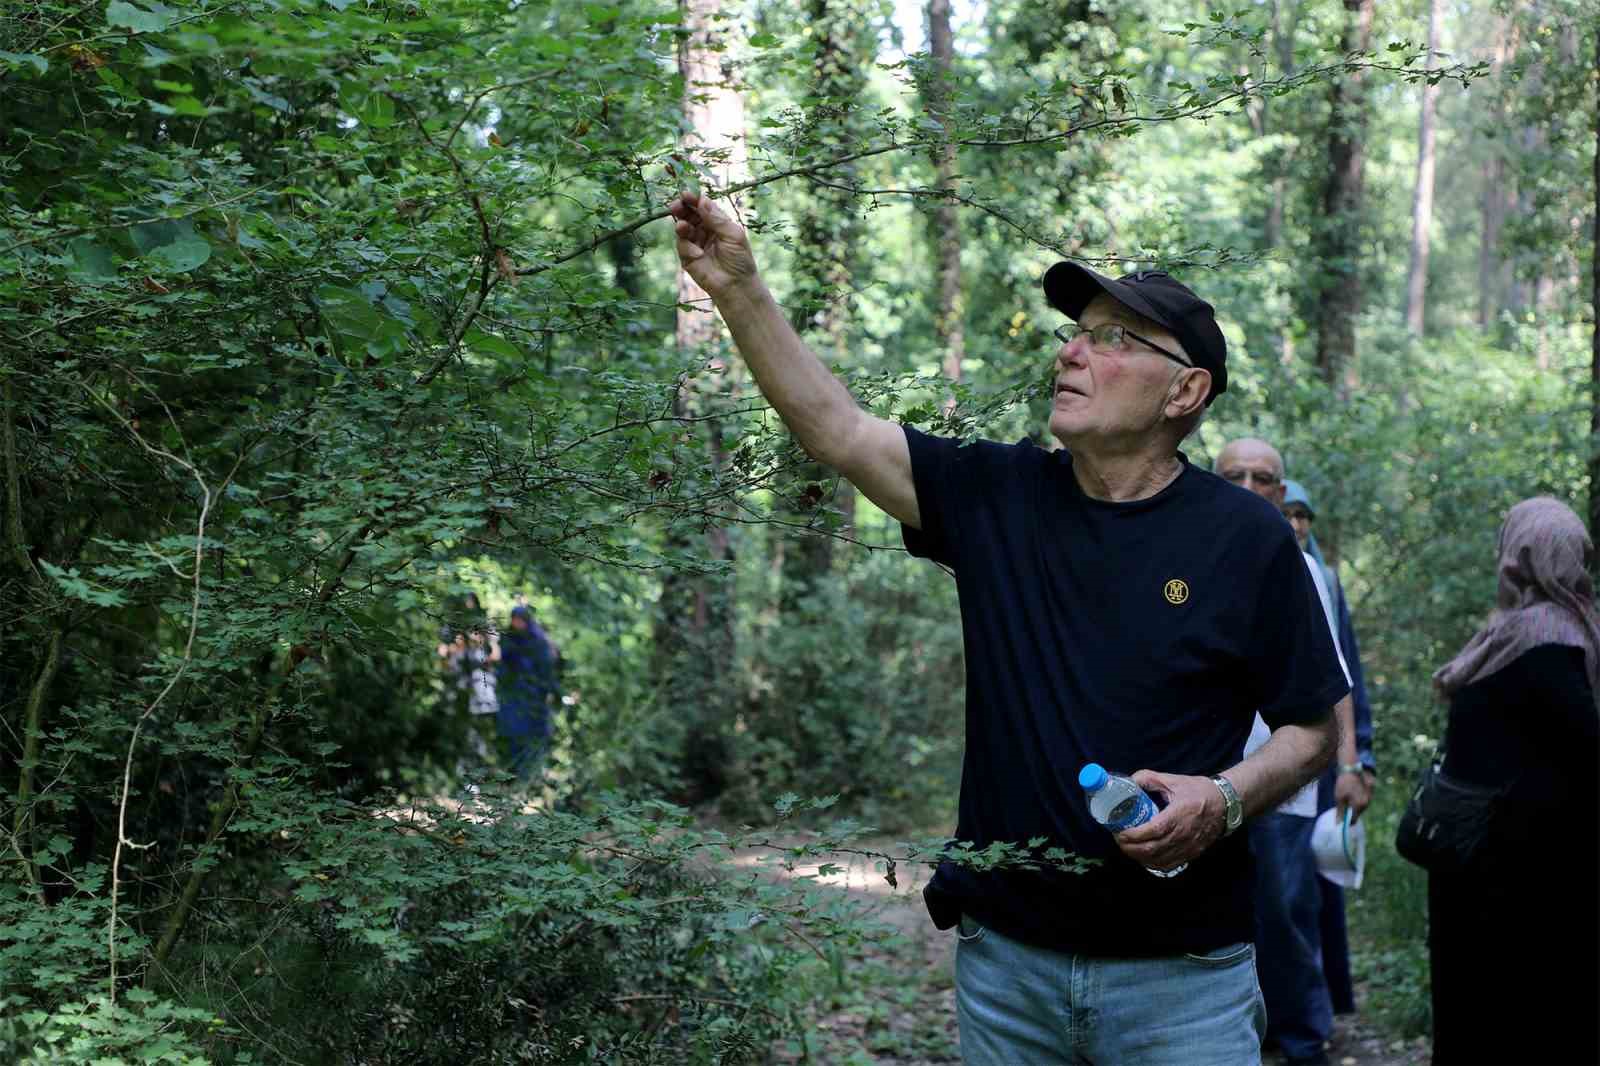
1143	634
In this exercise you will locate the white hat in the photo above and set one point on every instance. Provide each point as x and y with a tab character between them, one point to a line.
1340	848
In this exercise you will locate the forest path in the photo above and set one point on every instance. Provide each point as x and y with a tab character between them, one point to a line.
896	1004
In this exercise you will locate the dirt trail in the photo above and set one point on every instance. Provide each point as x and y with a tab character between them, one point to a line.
897	1005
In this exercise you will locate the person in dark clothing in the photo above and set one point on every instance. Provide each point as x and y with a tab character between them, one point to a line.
1119	605
1514	941
529	692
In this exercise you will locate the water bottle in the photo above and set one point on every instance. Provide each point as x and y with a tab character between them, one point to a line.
1117	803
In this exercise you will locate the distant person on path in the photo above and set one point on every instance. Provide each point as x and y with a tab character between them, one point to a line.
529	692
1514	941
1302	516
470	649
1288	896
1119	606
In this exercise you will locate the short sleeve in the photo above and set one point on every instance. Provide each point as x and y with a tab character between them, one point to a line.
1326	599
1296	669
951	480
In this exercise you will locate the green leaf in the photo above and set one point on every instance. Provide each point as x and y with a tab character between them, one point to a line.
489	344
371	107
171	245
137	19
17	59
764	40
182	255
188	105
92	263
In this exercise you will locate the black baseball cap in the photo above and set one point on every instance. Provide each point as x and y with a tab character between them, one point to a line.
1157	296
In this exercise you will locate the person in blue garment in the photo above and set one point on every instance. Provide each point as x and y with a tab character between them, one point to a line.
529	690
1302	515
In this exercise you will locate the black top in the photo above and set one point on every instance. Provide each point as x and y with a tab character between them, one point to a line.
1138	635
1532	728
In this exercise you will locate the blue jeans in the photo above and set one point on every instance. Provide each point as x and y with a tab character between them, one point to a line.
1022	1004
1289	934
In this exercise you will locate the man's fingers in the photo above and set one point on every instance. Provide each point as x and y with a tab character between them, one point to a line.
713	217
1154	830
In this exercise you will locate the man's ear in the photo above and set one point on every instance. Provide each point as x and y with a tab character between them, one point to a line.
1189	396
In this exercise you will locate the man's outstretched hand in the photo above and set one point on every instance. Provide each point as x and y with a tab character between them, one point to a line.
1189	824
713	248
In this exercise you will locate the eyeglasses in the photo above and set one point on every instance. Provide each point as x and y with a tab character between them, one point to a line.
1240	477
1111	337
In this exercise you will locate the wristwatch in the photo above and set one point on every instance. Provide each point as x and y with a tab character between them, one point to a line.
1233	811
1352	768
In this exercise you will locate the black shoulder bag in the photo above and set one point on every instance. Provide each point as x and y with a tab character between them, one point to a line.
1445	825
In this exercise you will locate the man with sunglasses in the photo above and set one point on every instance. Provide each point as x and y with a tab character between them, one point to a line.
1119	606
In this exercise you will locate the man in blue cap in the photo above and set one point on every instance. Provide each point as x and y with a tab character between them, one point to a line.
1297	508
1119	605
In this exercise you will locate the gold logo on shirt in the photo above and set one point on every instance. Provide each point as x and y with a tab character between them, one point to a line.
1176	591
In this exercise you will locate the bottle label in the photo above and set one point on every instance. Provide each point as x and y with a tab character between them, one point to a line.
1135	810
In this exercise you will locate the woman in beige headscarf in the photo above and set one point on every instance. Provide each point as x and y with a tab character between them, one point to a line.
1514	942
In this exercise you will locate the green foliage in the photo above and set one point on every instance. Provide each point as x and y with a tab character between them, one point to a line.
318	314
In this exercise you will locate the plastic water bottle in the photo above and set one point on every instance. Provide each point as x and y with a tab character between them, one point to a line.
1118	803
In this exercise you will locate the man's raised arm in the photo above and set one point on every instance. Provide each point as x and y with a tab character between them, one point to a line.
715	251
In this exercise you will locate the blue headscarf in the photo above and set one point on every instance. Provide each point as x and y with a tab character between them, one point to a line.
1294	492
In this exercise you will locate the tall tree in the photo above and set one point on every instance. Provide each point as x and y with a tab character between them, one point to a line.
1594	316
1422	191
826	260
1339	299
1497	188
694	630
949	318
1285	17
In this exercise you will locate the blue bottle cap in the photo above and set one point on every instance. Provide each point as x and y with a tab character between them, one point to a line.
1092	777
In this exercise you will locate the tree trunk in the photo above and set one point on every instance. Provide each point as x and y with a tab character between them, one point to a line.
1491	282
1422	193
694	629
1594	316
1283	47
949	319
1339	299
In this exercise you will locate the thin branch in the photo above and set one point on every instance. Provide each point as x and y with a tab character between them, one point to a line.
64	234
124	35
150	710
1198	109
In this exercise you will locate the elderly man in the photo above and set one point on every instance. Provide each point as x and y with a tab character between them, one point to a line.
1119	605
1297	508
1288	896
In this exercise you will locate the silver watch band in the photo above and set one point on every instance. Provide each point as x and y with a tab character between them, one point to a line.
1233	810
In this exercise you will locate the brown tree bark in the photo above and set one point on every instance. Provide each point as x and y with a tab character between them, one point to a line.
1422	191
1339	298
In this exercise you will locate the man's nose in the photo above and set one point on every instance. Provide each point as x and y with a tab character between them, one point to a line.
1071	353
